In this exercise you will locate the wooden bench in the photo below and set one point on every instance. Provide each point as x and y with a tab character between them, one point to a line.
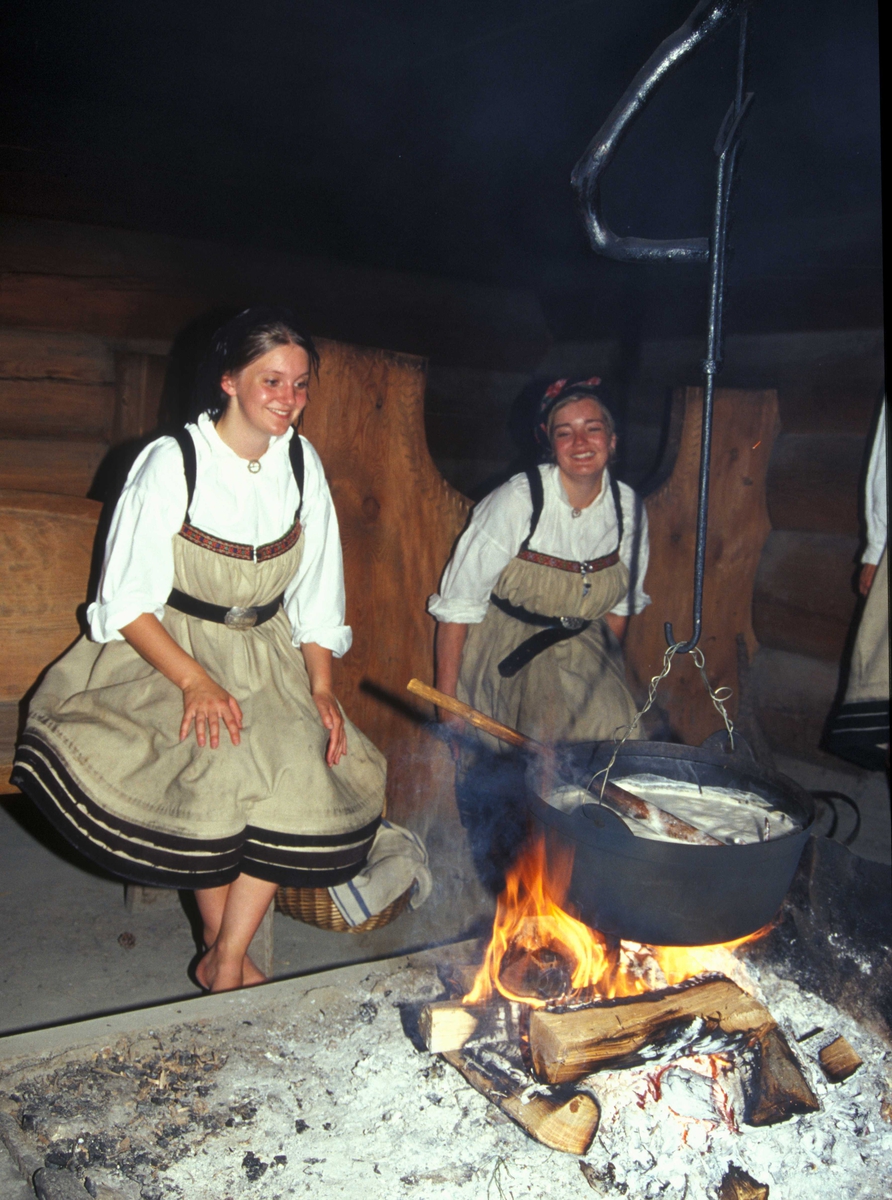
46	544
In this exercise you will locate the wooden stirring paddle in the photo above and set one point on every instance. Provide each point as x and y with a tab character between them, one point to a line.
625	803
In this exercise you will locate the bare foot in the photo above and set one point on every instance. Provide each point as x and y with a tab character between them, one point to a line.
251	974
215	974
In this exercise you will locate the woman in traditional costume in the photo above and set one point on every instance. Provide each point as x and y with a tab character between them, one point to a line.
533	608
194	739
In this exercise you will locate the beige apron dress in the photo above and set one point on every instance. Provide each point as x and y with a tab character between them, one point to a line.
573	691
101	754
858	729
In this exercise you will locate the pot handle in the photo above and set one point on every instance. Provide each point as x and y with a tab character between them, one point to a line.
720	743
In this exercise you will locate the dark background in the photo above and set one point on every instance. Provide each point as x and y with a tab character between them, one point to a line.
439	137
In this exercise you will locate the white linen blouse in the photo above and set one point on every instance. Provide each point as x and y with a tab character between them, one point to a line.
230	503
501	521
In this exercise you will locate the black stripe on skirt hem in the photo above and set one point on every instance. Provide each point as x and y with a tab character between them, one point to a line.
33	750
146	875
295	878
114	852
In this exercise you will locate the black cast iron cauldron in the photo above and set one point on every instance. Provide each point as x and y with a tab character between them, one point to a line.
671	893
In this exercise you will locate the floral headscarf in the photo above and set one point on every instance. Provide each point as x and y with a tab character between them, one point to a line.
558	392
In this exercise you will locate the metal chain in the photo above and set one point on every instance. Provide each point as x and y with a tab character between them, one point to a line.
718	696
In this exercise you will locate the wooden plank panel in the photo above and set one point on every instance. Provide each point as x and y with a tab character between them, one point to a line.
28	354
398	520
813	482
49	539
139	379
109	306
745	427
63	468
844	405
35	408
804	597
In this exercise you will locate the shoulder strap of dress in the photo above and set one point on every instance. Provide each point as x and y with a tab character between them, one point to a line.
190	464
537	495
296	454
614	489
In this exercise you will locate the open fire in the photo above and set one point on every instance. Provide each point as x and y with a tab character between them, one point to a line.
560	1020
541	955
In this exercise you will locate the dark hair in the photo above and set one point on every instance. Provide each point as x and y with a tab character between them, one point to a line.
239	342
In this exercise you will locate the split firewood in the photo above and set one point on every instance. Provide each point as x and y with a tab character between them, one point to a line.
625	803
839	1060
737	1185
776	1089
447	1025
561	1118
568	1045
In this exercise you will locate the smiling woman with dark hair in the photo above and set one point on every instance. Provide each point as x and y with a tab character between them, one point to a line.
194	741
534	603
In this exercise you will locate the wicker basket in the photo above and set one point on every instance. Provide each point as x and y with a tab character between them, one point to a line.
314	906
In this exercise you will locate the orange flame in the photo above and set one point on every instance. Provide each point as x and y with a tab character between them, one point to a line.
540	954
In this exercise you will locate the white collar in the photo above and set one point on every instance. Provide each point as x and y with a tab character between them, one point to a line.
208	432
554	475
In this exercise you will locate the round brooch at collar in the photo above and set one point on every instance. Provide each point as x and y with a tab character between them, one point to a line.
253	466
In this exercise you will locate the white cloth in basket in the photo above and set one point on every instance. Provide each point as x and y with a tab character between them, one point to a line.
397	861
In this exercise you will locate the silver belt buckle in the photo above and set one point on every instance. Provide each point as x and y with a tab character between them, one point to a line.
572	622
241	618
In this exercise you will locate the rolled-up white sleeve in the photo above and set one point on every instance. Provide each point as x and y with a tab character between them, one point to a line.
875	495
314	600
137	572
634	552
493	537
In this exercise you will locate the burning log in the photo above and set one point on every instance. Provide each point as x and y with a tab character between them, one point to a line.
737	1185
561	1118
776	1088
839	1060
569	1045
447	1025
566	1046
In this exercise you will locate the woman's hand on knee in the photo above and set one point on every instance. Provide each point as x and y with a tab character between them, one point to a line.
333	720
206	705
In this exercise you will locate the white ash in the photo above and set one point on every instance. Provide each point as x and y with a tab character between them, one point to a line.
331	1098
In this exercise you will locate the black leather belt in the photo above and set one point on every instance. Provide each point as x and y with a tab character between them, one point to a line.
555	629
235	618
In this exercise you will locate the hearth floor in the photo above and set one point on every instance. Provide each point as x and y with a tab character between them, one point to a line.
315	1086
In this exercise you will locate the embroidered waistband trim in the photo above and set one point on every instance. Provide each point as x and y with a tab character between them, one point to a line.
566	564
282	546
241	550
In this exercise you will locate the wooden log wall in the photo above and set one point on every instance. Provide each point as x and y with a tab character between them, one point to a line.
805	595
744	431
65	398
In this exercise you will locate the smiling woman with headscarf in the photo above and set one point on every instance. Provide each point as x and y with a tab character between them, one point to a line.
534	603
